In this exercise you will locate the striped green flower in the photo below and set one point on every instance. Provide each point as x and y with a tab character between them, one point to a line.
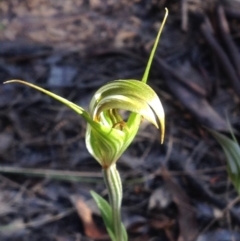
131	95
108	134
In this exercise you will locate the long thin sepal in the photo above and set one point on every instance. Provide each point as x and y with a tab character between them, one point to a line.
146	73
66	102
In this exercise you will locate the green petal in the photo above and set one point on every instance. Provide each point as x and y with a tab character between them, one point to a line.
131	95
132	104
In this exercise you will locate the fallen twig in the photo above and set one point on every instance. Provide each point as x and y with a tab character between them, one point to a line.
206	30
230	45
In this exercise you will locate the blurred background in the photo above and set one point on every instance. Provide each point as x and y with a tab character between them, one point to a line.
175	191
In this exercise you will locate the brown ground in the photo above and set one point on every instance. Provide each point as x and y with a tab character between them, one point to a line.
175	191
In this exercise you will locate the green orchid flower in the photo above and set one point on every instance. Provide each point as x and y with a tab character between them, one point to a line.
108	134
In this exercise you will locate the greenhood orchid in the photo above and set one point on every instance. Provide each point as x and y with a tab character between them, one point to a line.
108	134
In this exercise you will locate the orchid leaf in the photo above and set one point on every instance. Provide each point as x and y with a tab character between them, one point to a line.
124	232
232	152
106	212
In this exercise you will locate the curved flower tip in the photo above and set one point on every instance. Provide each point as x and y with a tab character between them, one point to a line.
131	95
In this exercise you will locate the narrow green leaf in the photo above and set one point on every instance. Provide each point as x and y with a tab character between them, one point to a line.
231	130
106	212
124	231
232	152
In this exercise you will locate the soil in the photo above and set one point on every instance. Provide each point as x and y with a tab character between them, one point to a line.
175	191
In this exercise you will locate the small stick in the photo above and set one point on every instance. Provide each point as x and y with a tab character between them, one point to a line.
184	9
189	84
206	30
230	45
232	12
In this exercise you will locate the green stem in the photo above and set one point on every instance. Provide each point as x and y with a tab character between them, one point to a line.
114	187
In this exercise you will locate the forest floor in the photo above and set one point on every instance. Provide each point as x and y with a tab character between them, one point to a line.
175	191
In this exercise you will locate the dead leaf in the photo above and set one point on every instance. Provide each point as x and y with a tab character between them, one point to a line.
166	225
124	37
85	213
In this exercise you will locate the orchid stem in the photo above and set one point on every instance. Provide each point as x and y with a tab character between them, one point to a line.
114	187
